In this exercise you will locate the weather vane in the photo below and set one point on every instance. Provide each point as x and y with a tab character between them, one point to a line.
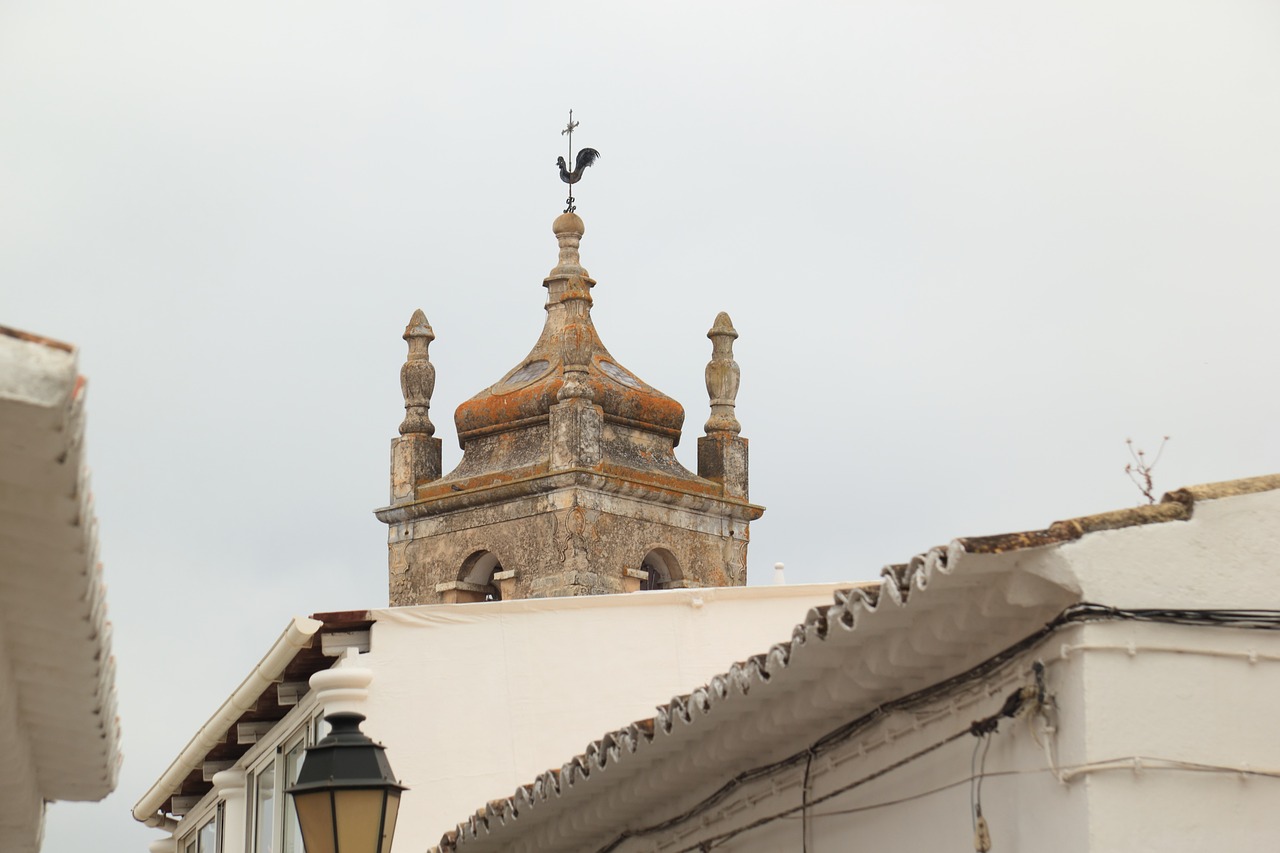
586	157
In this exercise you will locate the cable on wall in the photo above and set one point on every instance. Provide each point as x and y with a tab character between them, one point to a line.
1266	620
804	804
1013	705
1072	771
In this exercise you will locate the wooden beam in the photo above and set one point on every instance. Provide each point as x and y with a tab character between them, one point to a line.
181	805
253	732
333	645
289	692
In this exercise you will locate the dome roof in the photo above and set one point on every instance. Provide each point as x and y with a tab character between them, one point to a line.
569	343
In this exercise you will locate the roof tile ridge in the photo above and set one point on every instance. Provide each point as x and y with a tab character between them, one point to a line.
1176	505
1224	489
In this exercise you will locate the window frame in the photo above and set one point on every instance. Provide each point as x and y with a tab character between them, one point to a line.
300	725
200	818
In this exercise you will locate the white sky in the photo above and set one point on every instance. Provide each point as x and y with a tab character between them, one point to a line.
969	247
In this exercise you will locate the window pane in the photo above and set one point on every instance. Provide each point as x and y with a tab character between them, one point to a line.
209	837
292	834
264	812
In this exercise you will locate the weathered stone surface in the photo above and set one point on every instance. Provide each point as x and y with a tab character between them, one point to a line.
418	377
722	375
577	429
415	456
558	547
569	483
723	457
414	459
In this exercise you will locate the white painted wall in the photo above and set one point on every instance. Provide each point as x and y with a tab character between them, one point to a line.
1207	704
475	700
1199	704
1156	728
1226	555
1031	811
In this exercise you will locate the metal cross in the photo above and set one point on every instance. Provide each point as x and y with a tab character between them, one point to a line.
569	130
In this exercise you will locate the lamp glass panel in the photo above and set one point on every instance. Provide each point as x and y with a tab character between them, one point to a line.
389	824
359	813
315	820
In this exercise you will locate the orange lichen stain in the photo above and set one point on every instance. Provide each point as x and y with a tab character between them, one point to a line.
487	409
642	406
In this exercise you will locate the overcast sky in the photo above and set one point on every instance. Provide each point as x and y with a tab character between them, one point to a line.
970	247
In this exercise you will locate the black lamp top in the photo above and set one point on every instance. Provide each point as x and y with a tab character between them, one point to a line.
345	758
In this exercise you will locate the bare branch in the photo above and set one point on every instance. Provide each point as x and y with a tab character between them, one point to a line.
1140	471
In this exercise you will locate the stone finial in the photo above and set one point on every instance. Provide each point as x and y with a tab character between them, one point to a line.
577	338
418	377
722	376
569	229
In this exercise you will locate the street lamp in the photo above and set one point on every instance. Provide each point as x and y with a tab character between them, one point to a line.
345	796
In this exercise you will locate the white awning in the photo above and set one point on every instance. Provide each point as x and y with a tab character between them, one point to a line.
57	679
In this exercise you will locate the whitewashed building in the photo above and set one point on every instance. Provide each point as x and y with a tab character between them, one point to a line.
59	735
1105	684
471	700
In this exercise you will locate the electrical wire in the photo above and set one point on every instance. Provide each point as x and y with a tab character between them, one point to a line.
981	729
1132	763
804	805
981	832
1268	620
1074	770
717	840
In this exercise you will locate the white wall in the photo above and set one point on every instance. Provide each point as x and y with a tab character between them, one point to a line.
1226	555
1027	811
1204	703
474	700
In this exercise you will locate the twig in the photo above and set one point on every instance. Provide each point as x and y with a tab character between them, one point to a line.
1140	470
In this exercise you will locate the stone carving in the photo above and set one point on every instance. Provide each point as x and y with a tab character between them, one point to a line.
734	555
418	377
722	376
575	532
576	346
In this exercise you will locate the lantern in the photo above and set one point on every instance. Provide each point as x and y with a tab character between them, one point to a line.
345	797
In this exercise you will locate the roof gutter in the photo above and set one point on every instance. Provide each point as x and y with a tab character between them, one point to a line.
297	636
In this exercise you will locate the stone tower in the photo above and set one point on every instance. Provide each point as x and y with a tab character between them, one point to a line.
568	483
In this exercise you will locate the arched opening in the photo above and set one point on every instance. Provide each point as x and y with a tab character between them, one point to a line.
660	568
479	569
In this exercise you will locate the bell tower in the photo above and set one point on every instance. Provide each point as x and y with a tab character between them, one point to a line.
568	483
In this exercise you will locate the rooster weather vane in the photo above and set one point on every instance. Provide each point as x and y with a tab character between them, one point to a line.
586	157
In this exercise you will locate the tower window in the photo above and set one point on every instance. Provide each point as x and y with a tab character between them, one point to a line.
479	569
660	569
